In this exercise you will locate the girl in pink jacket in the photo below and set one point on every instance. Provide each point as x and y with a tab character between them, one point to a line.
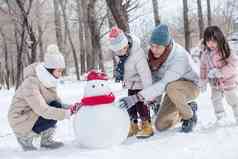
218	67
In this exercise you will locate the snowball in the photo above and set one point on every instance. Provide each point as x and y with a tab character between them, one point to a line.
101	126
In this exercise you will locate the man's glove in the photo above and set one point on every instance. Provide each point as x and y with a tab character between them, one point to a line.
128	102
215	73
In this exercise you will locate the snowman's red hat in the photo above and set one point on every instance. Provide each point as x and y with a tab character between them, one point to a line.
95	75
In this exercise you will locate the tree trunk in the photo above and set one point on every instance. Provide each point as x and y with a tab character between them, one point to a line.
1	75
186	25
200	19
40	32
95	34
12	71
19	56
63	8
88	47
74	55
32	42
41	50
58	26
209	14
7	70
81	37
119	12
156	12
61	41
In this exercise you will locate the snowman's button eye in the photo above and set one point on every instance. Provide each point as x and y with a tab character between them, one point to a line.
93	86
102	84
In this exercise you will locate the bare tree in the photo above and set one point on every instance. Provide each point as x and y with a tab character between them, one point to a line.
95	33
20	46
156	12
81	37
61	31
119	12
26	35
5	50
186	25
229	14
32	42
40	31
12	64
63	5
58	26
90	63
209	14
1	76
200	19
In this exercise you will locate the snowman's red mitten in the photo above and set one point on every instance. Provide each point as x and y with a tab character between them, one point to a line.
74	108
128	102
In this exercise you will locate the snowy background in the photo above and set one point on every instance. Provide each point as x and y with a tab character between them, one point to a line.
206	141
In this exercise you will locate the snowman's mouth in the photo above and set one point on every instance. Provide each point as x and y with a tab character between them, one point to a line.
98	100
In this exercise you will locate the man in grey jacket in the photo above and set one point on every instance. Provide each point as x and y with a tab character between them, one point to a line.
175	77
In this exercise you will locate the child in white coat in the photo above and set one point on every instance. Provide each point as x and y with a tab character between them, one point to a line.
134	71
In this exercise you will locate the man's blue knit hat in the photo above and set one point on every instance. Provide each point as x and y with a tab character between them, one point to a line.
161	35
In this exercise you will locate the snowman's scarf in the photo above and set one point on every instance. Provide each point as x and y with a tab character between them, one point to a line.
98	100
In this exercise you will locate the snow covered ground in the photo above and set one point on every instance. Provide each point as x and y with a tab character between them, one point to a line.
206	141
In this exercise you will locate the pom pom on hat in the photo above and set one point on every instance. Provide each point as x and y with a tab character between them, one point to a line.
115	31
117	39
54	58
53	49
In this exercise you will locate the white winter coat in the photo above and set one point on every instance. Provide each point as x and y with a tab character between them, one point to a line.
137	74
179	65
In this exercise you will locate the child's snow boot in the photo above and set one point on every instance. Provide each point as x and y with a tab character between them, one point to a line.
133	129
26	142
146	131
47	140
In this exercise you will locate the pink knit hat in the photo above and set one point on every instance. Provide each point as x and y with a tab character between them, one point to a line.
117	39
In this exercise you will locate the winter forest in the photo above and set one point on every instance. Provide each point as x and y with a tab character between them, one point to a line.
113	79
80	28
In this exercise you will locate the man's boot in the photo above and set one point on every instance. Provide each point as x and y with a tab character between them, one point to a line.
188	125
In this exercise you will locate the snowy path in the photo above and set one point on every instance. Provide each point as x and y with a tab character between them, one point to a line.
219	143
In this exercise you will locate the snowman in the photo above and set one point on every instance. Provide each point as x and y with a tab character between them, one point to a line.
99	123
